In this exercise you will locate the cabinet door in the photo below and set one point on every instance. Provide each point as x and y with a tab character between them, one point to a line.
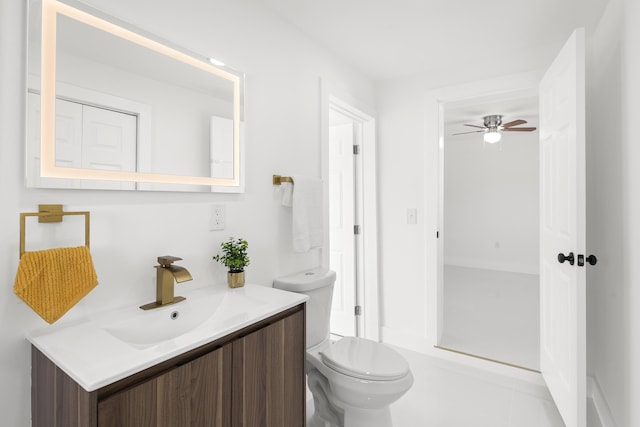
268	375
196	394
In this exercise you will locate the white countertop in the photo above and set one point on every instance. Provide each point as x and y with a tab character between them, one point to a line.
113	345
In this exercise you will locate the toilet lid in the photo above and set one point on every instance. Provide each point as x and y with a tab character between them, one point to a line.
365	359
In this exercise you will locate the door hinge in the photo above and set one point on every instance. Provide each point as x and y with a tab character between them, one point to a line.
358	310
437	234
356	229
356	150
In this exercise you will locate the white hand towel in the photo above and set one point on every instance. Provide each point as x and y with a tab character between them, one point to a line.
308	230
287	193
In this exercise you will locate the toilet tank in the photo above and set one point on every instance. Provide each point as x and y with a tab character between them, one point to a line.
318	285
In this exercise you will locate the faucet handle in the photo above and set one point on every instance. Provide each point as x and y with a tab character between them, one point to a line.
167	260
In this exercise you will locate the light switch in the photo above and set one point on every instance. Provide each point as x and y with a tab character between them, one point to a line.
412	216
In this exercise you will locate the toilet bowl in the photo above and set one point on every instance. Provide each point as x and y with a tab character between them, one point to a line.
363	378
353	380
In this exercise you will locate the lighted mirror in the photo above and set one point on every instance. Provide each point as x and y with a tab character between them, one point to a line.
111	107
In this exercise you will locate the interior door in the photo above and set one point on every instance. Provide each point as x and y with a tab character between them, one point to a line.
68	140
109	141
342	257
562	231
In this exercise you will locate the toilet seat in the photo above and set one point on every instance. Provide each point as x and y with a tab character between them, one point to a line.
364	359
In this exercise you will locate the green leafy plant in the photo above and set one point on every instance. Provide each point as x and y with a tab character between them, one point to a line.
234	254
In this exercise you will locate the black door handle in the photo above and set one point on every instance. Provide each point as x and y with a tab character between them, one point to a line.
562	258
591	259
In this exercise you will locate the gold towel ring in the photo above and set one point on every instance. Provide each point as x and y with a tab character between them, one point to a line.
52	213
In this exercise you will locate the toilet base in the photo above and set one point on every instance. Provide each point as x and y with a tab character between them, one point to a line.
355	417
329	413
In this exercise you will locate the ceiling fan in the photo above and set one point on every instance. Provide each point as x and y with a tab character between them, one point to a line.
493	126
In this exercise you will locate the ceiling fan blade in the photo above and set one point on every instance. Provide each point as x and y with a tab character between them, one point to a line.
475	126
514	123
463	133
518	129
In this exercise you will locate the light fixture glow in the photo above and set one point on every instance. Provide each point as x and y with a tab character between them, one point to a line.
216	62
492	136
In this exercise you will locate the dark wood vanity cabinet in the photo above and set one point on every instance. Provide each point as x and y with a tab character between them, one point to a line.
197	393
268	369
253	377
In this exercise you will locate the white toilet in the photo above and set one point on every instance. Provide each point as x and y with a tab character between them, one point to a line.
353	380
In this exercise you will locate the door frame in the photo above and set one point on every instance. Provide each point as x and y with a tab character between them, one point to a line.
368	324
433	269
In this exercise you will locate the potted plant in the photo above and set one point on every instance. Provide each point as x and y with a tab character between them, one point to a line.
234	257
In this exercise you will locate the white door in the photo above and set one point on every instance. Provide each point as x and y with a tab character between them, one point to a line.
86	137
562	231
109	141
342	257
68	141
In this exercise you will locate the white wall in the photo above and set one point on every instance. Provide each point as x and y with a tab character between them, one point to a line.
408	113
491	201
631	194
607	316
401	185
614	210
130	229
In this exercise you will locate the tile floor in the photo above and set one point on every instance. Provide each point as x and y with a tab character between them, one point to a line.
492	314
447	394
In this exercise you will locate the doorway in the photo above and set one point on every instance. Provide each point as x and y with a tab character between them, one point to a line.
490	232
349	173
561	90
345	183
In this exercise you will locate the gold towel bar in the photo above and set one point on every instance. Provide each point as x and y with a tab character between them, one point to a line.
277	179
51	213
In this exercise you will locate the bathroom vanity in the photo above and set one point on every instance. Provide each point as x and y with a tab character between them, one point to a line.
243	365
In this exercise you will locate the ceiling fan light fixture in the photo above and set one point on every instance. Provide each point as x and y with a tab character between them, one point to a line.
492	136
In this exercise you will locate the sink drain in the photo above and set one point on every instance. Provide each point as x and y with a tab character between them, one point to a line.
174	315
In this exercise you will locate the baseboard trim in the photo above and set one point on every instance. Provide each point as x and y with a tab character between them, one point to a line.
410	341
599	403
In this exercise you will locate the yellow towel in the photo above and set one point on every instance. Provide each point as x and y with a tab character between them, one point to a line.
54	280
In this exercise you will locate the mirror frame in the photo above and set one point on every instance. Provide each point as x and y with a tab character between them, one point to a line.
48	168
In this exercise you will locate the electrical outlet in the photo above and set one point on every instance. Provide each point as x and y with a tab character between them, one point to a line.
217	220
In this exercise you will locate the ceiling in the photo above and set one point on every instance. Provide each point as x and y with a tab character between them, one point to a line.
388	39
445	41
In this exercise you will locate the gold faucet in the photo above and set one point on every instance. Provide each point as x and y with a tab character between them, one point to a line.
166	273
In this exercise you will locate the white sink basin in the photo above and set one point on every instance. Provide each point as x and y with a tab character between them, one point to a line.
113	345
142	328
145	328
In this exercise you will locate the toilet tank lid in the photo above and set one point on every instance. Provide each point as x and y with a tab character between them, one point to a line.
306	280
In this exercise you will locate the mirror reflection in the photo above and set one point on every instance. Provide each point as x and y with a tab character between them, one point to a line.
110	108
